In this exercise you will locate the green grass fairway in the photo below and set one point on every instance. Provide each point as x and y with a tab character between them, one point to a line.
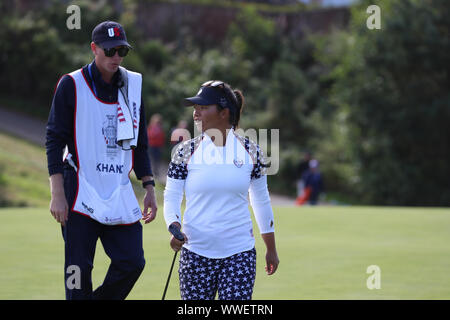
324	254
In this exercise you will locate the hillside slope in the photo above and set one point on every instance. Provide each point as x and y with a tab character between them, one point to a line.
24	177
23	173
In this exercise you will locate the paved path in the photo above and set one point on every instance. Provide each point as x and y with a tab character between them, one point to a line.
33	130
22	126
280	200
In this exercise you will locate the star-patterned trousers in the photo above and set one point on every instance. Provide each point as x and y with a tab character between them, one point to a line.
232	278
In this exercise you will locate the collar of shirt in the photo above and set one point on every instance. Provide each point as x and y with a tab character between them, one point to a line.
105	91
99	80
230	135
230	153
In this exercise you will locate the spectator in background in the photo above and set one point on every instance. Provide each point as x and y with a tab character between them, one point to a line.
180	133
313	182
301	169
156	139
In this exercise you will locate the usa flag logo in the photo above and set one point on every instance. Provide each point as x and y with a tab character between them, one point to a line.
134	116
120	115
113	32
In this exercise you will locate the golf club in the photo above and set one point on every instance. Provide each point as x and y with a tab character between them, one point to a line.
173	229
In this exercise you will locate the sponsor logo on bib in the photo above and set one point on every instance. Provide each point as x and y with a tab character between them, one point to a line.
89	209
109	168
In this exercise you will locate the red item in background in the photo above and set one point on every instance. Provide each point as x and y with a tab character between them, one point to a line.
304	197
156	136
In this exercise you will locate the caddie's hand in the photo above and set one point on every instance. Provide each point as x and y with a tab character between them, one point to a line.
58	203
59	208
150	205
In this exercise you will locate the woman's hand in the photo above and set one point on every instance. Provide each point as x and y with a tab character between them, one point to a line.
272	260
176	244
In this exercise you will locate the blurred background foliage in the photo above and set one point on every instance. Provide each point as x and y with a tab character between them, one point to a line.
373	106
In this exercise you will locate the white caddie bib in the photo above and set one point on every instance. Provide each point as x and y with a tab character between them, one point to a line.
104	190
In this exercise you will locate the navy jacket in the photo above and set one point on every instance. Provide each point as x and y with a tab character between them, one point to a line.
61	121
315	181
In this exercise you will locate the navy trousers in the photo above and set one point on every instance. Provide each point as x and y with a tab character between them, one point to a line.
122	244
232	278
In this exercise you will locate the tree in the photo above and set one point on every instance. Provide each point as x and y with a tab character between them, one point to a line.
394	84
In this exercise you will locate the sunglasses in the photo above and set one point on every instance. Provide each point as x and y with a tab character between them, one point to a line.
122	51
214	83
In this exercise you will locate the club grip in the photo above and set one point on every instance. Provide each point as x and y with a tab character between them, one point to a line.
173	229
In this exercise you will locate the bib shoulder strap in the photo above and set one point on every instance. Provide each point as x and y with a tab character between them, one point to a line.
124	89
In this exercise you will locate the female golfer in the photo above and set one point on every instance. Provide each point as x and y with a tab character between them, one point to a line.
217	170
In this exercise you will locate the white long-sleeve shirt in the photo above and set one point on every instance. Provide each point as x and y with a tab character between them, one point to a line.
217	182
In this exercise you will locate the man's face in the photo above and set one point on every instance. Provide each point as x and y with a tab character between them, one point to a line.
104	63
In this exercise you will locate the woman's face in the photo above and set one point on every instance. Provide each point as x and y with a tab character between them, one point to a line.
208	117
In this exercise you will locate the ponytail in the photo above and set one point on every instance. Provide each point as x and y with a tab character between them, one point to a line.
237	99
240	105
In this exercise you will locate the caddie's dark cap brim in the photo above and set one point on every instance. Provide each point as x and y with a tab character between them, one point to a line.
115	43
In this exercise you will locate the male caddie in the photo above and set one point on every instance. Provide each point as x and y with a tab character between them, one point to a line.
98	116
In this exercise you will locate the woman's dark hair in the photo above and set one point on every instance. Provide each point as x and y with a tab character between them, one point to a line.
240	106
238	99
